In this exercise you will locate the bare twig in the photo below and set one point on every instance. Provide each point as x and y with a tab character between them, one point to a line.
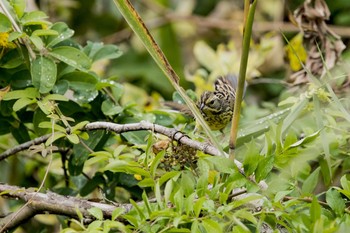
50	203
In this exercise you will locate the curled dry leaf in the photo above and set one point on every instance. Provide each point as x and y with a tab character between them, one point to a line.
323	45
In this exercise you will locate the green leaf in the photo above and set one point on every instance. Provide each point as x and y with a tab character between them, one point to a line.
21	103
252	158
15	35
310	183
187	183
221	164
264	167
305	140
109	108
126	167
79	126
80	81
98	51
83	84
155	162
72	56
62	30
39	116
211	225
197	207
117	212
45	32
11	59
159	196
55	136
73	138
34	18
281	194
315	210
294	114
345	183
30	93
44	73
147	182
96	212
138	209
167	176
21	79
48	125
335	201
5	25
18	6
55	97
146	203
168	191
244	214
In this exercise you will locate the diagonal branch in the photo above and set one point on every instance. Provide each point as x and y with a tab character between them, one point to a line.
51	203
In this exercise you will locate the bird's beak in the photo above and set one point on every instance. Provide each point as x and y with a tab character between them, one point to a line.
202	106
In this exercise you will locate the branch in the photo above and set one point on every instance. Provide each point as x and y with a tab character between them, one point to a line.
121	128
51	203
169	132
24	146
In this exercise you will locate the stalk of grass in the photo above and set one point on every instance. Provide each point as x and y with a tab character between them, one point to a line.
242	73
137	25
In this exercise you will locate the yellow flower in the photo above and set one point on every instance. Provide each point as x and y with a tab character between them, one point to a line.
4	42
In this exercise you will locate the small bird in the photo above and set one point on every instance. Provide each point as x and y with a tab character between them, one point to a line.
215	106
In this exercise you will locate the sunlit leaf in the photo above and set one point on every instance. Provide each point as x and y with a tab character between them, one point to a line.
62	30
18	6
72	56
44	74
335	201
34	18
117	212
21	103
96	212
5	25
311	182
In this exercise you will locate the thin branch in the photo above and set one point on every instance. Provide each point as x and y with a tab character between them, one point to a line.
121	128
50	203
24	146
169	132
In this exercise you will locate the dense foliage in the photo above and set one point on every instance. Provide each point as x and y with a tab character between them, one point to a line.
293	140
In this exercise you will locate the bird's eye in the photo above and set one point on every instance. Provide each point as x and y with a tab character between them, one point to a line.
212	102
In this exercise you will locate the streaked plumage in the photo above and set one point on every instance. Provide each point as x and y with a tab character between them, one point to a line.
217	106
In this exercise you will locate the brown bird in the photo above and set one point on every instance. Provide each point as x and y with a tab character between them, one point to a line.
215	106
